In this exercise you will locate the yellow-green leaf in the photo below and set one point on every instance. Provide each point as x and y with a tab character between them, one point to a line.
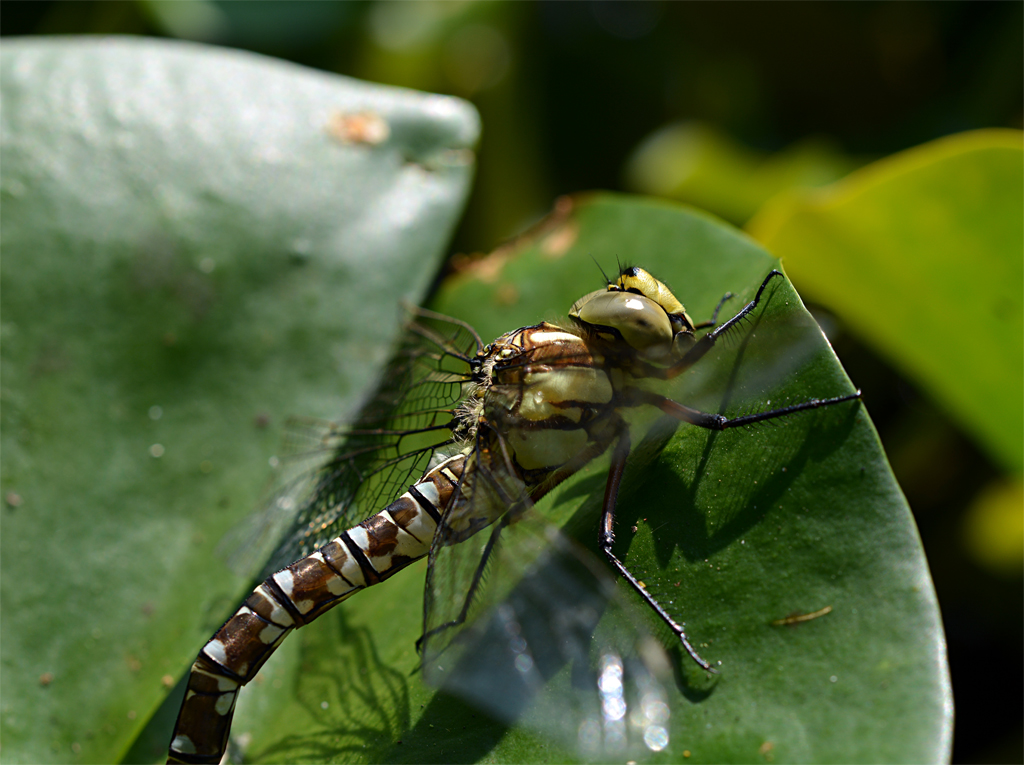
922	256
698	164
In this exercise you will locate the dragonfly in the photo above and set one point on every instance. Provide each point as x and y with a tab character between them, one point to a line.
462	439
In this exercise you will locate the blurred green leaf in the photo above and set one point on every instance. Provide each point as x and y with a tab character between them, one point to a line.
476	50
920	254
194	248
733	531
698	164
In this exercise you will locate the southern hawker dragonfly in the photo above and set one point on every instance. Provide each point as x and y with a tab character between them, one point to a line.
468	437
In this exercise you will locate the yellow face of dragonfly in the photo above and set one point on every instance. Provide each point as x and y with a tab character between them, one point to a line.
643	312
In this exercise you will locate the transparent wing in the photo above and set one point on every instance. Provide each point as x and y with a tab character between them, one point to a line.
757	358
549	645
489	496
332	476
527	626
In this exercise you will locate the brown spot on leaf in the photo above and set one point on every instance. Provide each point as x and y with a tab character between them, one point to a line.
799	618
507	294
358	127
559	241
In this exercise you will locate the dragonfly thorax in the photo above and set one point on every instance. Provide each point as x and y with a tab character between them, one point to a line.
553	392
548	392
641	312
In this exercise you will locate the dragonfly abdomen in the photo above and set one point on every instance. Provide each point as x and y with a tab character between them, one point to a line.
364	555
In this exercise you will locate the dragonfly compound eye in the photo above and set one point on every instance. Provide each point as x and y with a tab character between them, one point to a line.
641	322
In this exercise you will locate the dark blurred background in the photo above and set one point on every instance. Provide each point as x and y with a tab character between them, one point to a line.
568	93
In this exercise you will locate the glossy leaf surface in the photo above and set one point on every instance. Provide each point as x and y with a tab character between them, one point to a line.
197	243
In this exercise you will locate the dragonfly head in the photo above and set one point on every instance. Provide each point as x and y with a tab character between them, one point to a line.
642	311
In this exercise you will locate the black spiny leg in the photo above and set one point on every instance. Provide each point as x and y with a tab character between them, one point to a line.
706	343
478	576
607	539
721	422
714	316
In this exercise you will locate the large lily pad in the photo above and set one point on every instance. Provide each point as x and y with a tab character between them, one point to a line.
196	244
734	531
920	255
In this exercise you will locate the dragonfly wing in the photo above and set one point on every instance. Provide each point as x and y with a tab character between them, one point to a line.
489	495
332	476
547	643
737	376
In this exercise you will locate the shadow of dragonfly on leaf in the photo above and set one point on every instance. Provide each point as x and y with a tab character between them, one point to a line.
356	705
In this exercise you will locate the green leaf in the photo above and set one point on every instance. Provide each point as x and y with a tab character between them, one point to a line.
733	531
920	255
696	163
194	248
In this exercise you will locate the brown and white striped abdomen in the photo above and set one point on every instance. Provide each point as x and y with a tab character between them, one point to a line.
364	555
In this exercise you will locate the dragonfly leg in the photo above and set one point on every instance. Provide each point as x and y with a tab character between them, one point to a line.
707	342
713	321
721	422
607	539
594	450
